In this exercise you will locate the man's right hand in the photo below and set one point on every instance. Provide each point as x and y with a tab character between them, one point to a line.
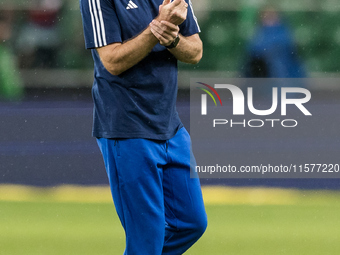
174	12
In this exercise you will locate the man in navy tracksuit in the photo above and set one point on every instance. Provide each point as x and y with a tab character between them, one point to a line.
135	45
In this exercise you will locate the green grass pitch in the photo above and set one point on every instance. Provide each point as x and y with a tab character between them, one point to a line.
310	225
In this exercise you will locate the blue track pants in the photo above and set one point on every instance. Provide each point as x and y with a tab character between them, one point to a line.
159	205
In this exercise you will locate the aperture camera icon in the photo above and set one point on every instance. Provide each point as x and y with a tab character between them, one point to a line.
204	97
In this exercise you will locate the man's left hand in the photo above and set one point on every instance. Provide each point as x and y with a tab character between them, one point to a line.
164	31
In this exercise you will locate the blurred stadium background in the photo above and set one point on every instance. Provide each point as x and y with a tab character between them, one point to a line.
45	136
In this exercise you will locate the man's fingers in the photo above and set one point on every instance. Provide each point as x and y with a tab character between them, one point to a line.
155	33
183	3
166	33
169	25
166	27
175	11
176	3
163	33
161	39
